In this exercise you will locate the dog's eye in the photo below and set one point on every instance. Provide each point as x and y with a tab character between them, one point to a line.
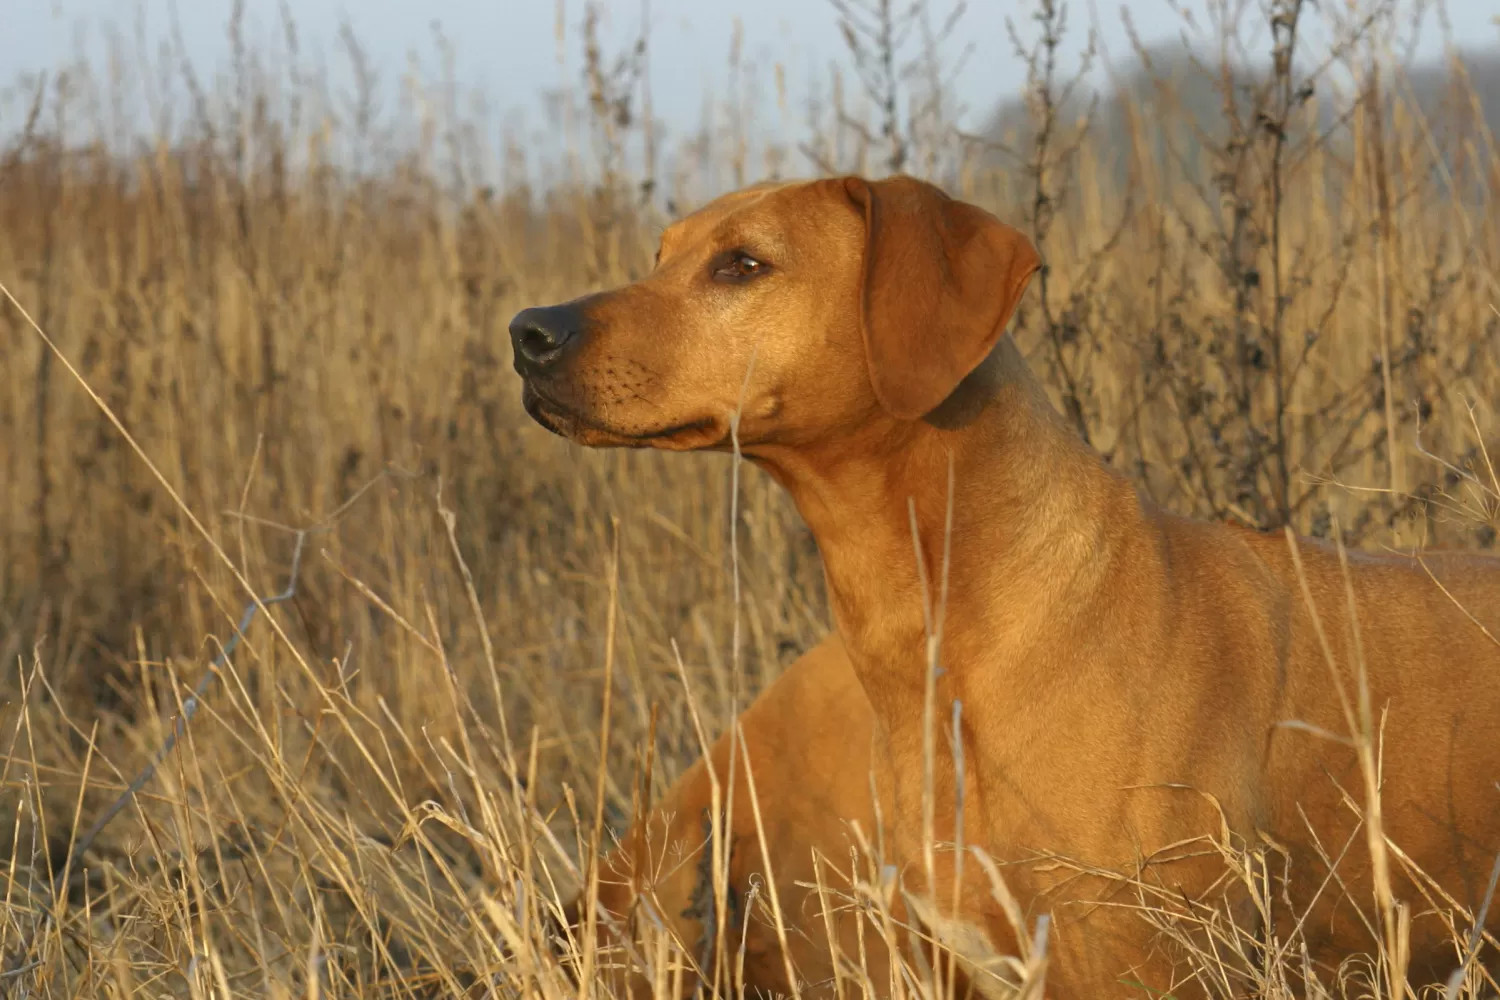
737	266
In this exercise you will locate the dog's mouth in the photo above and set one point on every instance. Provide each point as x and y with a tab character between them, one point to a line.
568	422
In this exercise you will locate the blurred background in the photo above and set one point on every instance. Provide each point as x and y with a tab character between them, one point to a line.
281	244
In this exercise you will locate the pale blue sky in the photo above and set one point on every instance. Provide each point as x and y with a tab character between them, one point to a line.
507	49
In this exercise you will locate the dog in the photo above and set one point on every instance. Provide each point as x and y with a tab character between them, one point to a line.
807	737
1134	690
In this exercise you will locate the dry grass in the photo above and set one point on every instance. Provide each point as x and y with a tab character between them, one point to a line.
299	314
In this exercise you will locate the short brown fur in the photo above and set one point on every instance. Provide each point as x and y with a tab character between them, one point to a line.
807	737
1123	673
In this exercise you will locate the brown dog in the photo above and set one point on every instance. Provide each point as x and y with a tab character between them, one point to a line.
1124	677
808	739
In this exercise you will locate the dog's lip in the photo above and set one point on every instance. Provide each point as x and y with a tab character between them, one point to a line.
534	400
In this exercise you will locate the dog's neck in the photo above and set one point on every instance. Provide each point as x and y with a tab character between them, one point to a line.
1036	522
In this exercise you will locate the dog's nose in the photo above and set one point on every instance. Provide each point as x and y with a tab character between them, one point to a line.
543	334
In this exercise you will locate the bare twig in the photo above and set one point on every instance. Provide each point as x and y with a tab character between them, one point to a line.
190	707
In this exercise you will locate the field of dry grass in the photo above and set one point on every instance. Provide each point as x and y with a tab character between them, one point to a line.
298	317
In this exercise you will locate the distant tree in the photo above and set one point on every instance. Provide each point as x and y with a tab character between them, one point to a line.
1459	99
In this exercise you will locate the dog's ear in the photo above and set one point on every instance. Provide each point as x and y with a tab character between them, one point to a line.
941	281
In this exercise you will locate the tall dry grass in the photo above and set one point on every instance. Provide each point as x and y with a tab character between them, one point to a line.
296	307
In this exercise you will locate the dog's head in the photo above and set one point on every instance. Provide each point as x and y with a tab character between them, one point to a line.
807	309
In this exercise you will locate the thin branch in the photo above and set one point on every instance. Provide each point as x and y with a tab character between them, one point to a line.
189	709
